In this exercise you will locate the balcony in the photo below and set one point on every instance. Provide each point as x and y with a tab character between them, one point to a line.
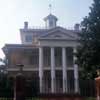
34	68
25	68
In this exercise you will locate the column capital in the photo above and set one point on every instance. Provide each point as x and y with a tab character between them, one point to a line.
74	54
52	47
75	49
63	47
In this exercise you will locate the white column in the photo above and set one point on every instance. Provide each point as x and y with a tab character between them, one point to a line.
76	82
64	70
52	70
41	68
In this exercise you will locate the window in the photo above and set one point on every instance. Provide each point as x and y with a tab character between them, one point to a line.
28	38
51	23
34	60
69	56
46	57
58	57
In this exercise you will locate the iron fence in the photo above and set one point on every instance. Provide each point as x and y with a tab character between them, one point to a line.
86	88
3	98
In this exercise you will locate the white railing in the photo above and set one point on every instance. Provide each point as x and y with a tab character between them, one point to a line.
43	27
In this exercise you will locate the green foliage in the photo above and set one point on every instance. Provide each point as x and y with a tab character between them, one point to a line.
90	98
89	51
3	61
6	86
6	98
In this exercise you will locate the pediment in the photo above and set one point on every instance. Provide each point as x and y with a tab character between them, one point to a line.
60	33
57	35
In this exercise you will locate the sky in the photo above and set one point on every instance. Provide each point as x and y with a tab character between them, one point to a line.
13	14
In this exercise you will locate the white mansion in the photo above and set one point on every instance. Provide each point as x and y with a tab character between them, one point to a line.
48	54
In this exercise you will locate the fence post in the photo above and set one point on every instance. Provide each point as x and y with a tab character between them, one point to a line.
19	86
19	91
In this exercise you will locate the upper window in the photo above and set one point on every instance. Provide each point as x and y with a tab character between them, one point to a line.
28	38
51	23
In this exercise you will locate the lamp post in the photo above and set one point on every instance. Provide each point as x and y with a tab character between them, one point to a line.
98	83
19	91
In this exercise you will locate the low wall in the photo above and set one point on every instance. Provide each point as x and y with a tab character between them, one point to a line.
60	97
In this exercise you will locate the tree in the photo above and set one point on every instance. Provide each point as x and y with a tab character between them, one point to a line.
3	65
89	50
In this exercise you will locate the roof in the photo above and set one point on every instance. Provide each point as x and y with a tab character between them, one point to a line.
54	33
50	16
43	32
59	31
8	47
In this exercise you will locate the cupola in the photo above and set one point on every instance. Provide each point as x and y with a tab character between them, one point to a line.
50	21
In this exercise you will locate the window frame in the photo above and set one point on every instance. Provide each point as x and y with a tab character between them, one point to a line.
28	38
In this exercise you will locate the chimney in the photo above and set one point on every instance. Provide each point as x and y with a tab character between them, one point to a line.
25	25
76	27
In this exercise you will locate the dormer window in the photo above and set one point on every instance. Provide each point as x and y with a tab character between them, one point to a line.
28	38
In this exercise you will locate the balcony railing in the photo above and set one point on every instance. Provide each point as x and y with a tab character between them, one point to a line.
34	68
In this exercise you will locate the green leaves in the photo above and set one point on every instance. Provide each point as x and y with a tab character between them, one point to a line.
89	51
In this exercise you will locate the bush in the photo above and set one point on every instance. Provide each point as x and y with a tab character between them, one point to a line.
90	98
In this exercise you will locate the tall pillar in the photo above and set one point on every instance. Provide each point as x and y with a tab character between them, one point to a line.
52	70
64	65
41	68
76	81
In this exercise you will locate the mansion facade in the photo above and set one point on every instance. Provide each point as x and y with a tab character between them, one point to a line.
48	54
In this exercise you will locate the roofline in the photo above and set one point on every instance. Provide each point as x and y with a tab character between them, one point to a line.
31	30
58	39
18	46
59	28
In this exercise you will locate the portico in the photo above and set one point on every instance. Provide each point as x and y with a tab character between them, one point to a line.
64	67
